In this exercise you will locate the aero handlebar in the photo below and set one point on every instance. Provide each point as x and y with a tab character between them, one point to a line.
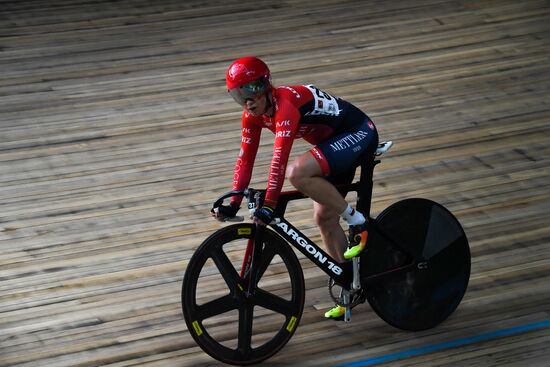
254	197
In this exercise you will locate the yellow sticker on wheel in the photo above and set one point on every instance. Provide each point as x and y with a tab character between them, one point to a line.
243	231
291	324
197	328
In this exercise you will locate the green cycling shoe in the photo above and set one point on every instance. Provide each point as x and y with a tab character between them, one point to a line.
358	234
336	312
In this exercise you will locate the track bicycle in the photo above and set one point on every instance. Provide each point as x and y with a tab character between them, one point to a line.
243	291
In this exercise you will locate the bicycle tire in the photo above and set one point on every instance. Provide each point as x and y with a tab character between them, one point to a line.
243	352
430	291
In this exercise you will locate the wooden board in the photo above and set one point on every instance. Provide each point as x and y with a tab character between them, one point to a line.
117	134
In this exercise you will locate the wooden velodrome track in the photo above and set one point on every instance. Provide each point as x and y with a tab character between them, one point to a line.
116	135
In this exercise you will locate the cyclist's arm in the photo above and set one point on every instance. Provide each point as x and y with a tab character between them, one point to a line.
250	141
286	122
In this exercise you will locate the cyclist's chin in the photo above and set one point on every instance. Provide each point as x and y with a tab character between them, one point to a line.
254	111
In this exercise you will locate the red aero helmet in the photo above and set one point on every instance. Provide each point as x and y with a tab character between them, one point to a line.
247	78
245	70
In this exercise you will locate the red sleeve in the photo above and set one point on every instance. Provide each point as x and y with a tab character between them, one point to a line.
250	141
286	125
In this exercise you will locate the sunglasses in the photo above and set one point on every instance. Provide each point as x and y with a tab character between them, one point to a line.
251	90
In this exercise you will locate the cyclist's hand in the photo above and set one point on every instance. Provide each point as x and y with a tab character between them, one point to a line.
223	212
263	216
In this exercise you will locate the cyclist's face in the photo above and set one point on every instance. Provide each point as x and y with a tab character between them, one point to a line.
256	106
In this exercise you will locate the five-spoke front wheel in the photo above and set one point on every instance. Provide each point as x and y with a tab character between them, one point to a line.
228	322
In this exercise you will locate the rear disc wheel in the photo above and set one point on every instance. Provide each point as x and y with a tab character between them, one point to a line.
428	292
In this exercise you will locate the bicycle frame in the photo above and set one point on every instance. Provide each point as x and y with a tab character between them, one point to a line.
340	272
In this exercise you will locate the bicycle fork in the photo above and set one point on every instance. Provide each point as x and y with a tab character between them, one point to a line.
251	259
247	260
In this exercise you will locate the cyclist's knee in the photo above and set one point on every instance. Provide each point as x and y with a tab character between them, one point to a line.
302	169
296	174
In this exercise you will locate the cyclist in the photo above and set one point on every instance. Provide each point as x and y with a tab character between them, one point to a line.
341	133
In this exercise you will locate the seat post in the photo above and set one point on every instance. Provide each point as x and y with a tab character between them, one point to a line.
364	194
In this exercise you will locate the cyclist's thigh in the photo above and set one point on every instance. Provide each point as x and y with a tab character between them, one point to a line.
344	152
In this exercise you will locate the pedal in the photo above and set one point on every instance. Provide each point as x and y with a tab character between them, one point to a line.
356	284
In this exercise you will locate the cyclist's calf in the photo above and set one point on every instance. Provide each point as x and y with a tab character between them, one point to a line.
332	234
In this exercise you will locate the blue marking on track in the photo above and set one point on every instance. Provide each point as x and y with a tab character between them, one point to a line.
446	345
